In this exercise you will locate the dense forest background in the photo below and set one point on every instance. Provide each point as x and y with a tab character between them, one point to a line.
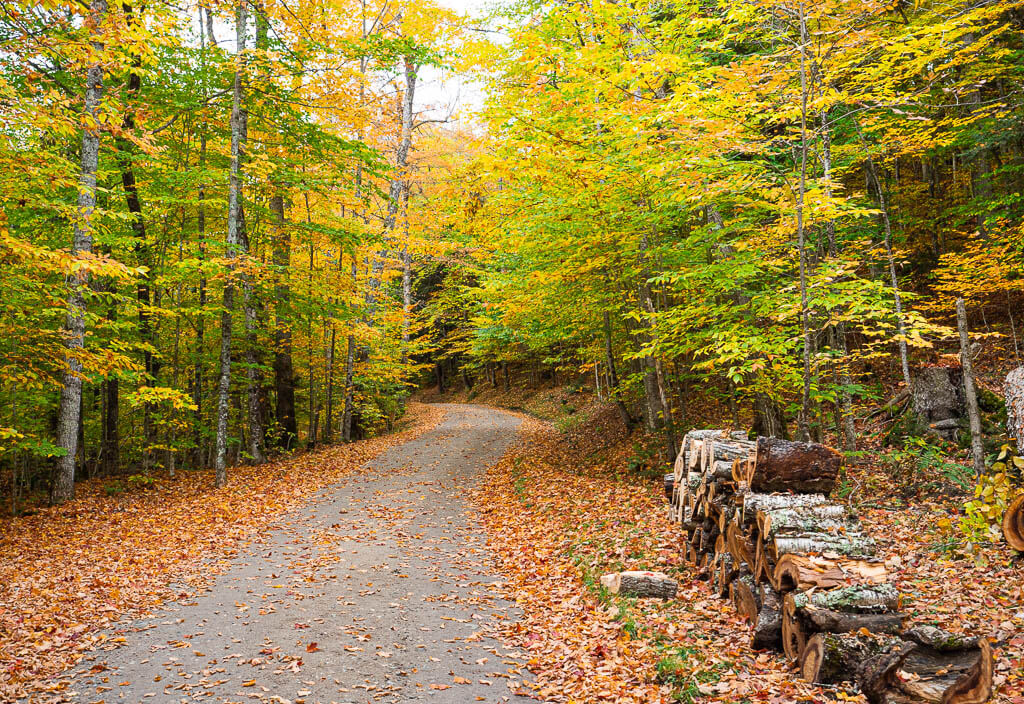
231	231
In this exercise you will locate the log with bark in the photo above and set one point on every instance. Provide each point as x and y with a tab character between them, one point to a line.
768	625
853	545
798	467
670	486
641	584
1014	395
867	660
944	667
927	665
755	502
795	571
822	518
846	609
745	596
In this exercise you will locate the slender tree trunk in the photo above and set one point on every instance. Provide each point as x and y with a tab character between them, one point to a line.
893	280
284	369
329	385
845	400
197	394
613	378
234	212
111	445
138	224
658	417
398	192
406	276
970	392
70	413
805	397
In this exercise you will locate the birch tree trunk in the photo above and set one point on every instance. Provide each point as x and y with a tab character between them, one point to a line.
70	413
234	212
398	194
805	398
845	401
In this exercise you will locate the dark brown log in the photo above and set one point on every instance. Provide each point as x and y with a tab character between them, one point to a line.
670	487
961	676
794	636
641	584
798	467
815	620
868	660
1013	524
794	571
768	625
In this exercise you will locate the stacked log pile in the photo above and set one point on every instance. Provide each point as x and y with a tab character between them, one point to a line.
802	571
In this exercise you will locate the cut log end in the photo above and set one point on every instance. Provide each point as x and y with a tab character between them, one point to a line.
1013	524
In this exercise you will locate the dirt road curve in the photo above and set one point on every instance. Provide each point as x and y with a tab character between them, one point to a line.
376	592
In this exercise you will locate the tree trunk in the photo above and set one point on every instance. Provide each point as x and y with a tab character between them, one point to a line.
970	394
346	416
890	260
234	213
141	248
197	394
284	370
805	398
613	377
69	415
329	384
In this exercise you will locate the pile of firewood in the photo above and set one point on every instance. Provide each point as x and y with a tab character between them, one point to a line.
801	569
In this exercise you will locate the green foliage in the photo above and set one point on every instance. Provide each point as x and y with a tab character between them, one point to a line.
923	467
994	491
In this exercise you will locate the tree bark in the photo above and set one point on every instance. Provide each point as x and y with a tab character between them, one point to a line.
234	212
141	248
970	393
284	369
642	584
805	398
70	412
890	260
783	465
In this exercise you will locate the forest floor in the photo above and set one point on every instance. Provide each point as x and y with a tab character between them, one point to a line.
353	574
380	571
574	502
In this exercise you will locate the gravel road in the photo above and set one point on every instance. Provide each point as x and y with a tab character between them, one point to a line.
379	590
